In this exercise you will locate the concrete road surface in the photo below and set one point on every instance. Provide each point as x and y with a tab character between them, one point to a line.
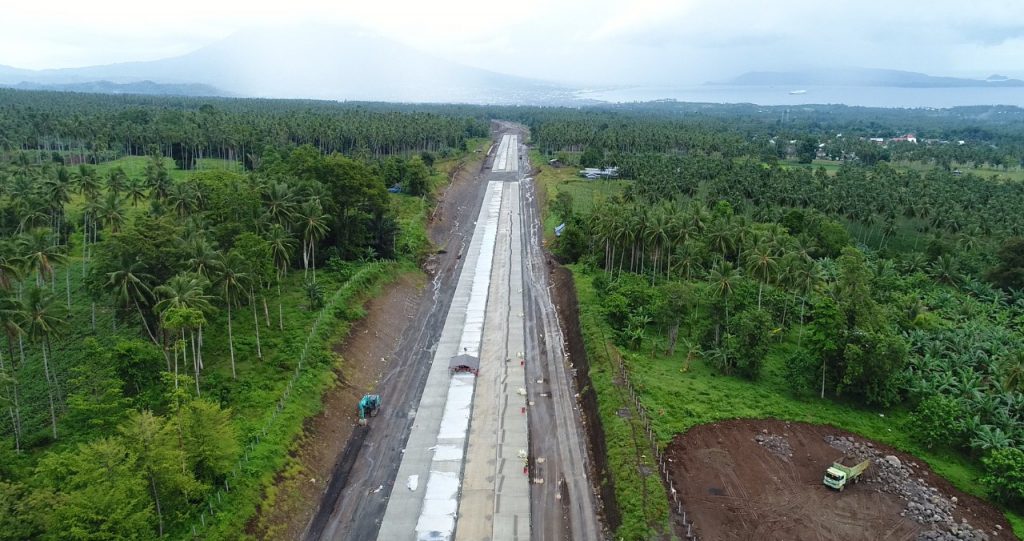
499	456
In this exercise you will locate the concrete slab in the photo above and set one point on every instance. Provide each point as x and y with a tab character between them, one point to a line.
495	487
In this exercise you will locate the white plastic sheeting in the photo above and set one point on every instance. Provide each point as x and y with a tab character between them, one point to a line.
501	157
507	157
473	328
448	452
456	411
440	503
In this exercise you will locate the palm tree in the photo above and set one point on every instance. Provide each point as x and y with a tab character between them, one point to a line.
944	270
281	247
182	199
41	322
279	202
657	235
205	261
762	263
185	292
90	212
116	181
88	184
723	279
41	254
313	225
157	178
131	287
33	211
10	264
12	314
110	212
720	237
57	194
233	285
136	191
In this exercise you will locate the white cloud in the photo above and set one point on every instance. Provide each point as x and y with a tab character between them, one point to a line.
592	40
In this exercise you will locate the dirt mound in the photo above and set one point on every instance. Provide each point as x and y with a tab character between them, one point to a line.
761	479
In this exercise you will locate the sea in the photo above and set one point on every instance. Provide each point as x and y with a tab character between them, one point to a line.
867	96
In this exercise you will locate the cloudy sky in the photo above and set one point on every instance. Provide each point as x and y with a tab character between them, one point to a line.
595	41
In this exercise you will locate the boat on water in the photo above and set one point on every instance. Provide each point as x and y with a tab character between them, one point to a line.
797	92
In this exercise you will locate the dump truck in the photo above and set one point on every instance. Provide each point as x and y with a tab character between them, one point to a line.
368	407
838	475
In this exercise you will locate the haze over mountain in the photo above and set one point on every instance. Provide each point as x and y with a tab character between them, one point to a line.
318	61
140	87
865	77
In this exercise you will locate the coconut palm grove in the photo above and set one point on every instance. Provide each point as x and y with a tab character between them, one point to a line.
174	271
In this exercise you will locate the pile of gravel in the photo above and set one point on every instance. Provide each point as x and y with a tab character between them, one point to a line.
778	445
925	504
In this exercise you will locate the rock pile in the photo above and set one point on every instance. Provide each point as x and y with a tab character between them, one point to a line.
925	504
778	445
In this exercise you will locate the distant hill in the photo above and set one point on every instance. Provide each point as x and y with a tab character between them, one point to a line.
314	61
864	77
141	87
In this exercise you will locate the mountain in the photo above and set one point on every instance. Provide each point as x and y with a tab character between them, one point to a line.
863	77
141	87
8	73
313	61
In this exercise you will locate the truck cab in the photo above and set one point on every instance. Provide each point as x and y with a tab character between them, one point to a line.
835	478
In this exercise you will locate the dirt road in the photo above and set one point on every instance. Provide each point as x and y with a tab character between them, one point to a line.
564	505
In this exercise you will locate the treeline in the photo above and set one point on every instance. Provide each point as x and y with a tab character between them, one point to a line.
883	199
93	128
990	135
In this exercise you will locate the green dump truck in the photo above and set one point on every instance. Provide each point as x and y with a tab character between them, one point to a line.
838	475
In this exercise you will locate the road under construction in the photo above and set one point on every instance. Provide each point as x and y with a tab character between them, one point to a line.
484	438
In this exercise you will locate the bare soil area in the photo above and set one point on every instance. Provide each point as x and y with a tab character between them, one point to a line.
365	354
762	479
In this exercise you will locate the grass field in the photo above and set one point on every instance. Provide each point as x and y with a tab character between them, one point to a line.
135	166
585	193
832	167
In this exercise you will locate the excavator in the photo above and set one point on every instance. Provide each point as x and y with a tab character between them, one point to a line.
368	407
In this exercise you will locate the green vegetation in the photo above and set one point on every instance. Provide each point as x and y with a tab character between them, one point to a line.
166	332
738	289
